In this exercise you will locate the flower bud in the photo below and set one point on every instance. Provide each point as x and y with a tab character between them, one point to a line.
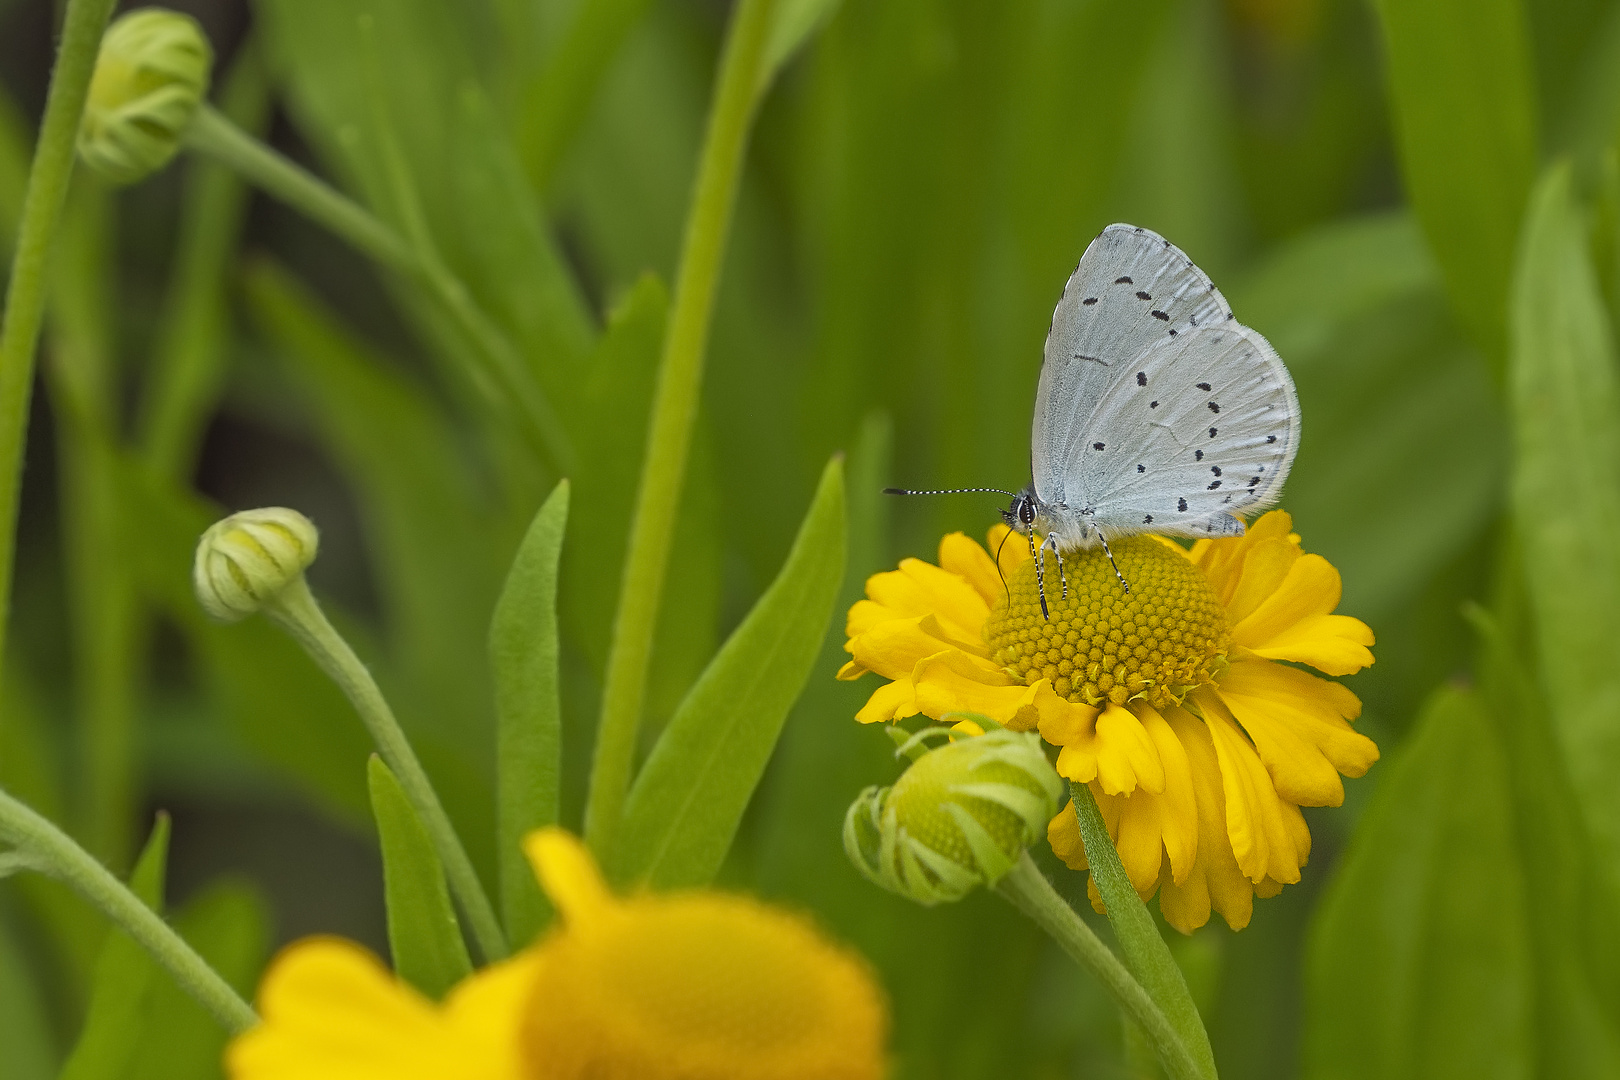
246	560
150	74
960	816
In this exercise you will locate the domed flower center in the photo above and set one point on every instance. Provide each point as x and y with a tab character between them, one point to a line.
1157	642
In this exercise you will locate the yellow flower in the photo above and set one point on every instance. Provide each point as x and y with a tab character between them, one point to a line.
1168	701
697	985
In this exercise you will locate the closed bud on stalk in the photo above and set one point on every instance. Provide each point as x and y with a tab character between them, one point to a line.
247	560
960	816
151	73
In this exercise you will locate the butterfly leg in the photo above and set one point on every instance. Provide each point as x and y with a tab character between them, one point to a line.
1040	572
1064	578
1122	582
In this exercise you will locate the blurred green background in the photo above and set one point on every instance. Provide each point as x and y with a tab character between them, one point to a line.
1356	177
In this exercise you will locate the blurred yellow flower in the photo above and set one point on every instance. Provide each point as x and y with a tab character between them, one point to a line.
1167	700
696	985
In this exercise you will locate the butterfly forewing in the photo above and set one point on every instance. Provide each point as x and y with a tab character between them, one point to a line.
1132	290
1201	427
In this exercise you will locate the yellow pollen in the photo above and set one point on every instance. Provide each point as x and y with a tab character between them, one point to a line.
1157	642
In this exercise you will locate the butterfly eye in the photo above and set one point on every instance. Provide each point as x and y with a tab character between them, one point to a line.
1026	512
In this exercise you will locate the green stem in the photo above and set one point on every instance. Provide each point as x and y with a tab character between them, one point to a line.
46	848
294	609
1027	889
1145	951
213	134
25	292
674	411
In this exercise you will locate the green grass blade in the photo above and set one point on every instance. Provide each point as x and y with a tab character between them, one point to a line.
1463	95
523	653
1420	964
1566	492
684	808
423	933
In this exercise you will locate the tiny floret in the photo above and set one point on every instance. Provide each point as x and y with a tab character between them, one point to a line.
960	816
246	560
151	72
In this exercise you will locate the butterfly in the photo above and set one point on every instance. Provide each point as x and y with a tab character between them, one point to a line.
1157	411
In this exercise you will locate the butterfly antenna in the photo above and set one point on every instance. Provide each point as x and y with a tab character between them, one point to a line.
946	491
1123	583
1003	577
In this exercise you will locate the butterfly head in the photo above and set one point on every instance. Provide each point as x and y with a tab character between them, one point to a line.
1020	513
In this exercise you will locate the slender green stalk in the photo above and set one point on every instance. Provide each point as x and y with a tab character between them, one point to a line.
25	292
1145	951
294	609
213	134
674	410
44	847
1027	889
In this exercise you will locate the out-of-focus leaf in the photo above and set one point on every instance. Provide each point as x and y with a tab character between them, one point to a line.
437	548
423	934
25	1031
1462	90
792	24
15	154
121	994
1566	492
685	804
523	651
226	924
1420	962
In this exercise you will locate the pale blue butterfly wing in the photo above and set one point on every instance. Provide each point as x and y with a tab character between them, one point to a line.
1132	289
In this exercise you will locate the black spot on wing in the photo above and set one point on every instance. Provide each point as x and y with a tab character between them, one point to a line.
1160	315
1141	468
1204	386
1088	301
1198	455
1153	404
1216	469
1269	438
1123	281
1213	485
1213	432
1147	519
1214	407
1181	504
1140	295
1099	446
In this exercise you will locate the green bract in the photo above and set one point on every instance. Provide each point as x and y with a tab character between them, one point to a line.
244	561
151	73
960	816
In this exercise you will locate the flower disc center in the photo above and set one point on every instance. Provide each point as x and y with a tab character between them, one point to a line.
1157	642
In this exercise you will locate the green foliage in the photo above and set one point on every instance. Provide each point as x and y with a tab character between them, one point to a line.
423	934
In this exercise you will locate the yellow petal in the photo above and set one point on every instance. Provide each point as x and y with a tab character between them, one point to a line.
966	559
865	614
487	1009
1063	833
1133	822
1009	550
1178	806
568	874
851	671
891	701
1264	568
1126	755
1336	644
1222	560
953	681
920	588
1263	841
1312	587
893	648
1215	879
1316	710
1062	721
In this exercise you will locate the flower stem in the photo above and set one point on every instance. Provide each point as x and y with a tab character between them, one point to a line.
213	134
42	846
1027	889
1145	951
674	411
25	292
294	609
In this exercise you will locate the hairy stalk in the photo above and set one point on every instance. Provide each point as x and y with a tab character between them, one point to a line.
25	292
1027	889
43	847
1145	951
674	410
294	609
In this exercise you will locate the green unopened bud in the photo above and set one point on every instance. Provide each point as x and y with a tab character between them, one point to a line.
247	560
959	817
151	72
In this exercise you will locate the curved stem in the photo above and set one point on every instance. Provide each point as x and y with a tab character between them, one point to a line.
674	411
25	292
42	846
1027	889
213	134
1145	951
296	611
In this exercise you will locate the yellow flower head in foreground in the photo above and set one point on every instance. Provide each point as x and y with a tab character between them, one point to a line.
687	986
1167	700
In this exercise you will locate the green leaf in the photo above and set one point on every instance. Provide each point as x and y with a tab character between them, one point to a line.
25	1030
1462	91
423	934
228	926
1566	493
120	996
523	650
1419	963
792	24
684	806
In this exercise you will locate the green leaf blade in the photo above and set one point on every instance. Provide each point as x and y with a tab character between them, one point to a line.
423	934
684	807
523	648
